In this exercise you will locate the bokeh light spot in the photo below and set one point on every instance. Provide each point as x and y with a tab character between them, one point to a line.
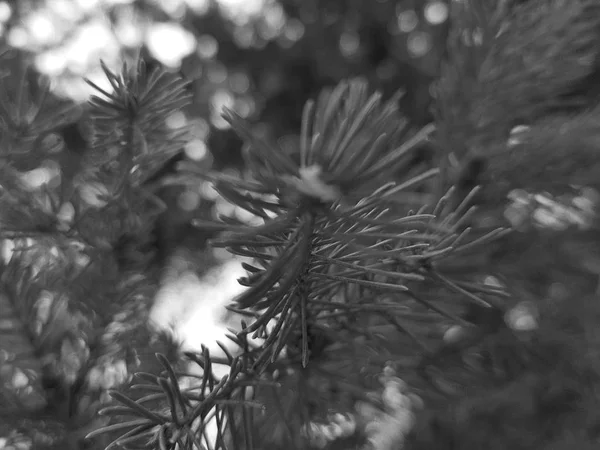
200	129
349	43
176	120
407	21
294	30
5	11
18	37
436	12
196	149
245	107
170	43
239	82
244	37
419	43
129	33
199	7
41	28
51	63
189	200
217	73
207	46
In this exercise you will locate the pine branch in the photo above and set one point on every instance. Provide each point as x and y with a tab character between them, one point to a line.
322	234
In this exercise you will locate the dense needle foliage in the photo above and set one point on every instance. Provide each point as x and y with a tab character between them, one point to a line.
387	305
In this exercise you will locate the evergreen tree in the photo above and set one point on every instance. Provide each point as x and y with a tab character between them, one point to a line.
382	308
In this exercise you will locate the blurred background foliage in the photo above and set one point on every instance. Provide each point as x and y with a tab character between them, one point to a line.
263	58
